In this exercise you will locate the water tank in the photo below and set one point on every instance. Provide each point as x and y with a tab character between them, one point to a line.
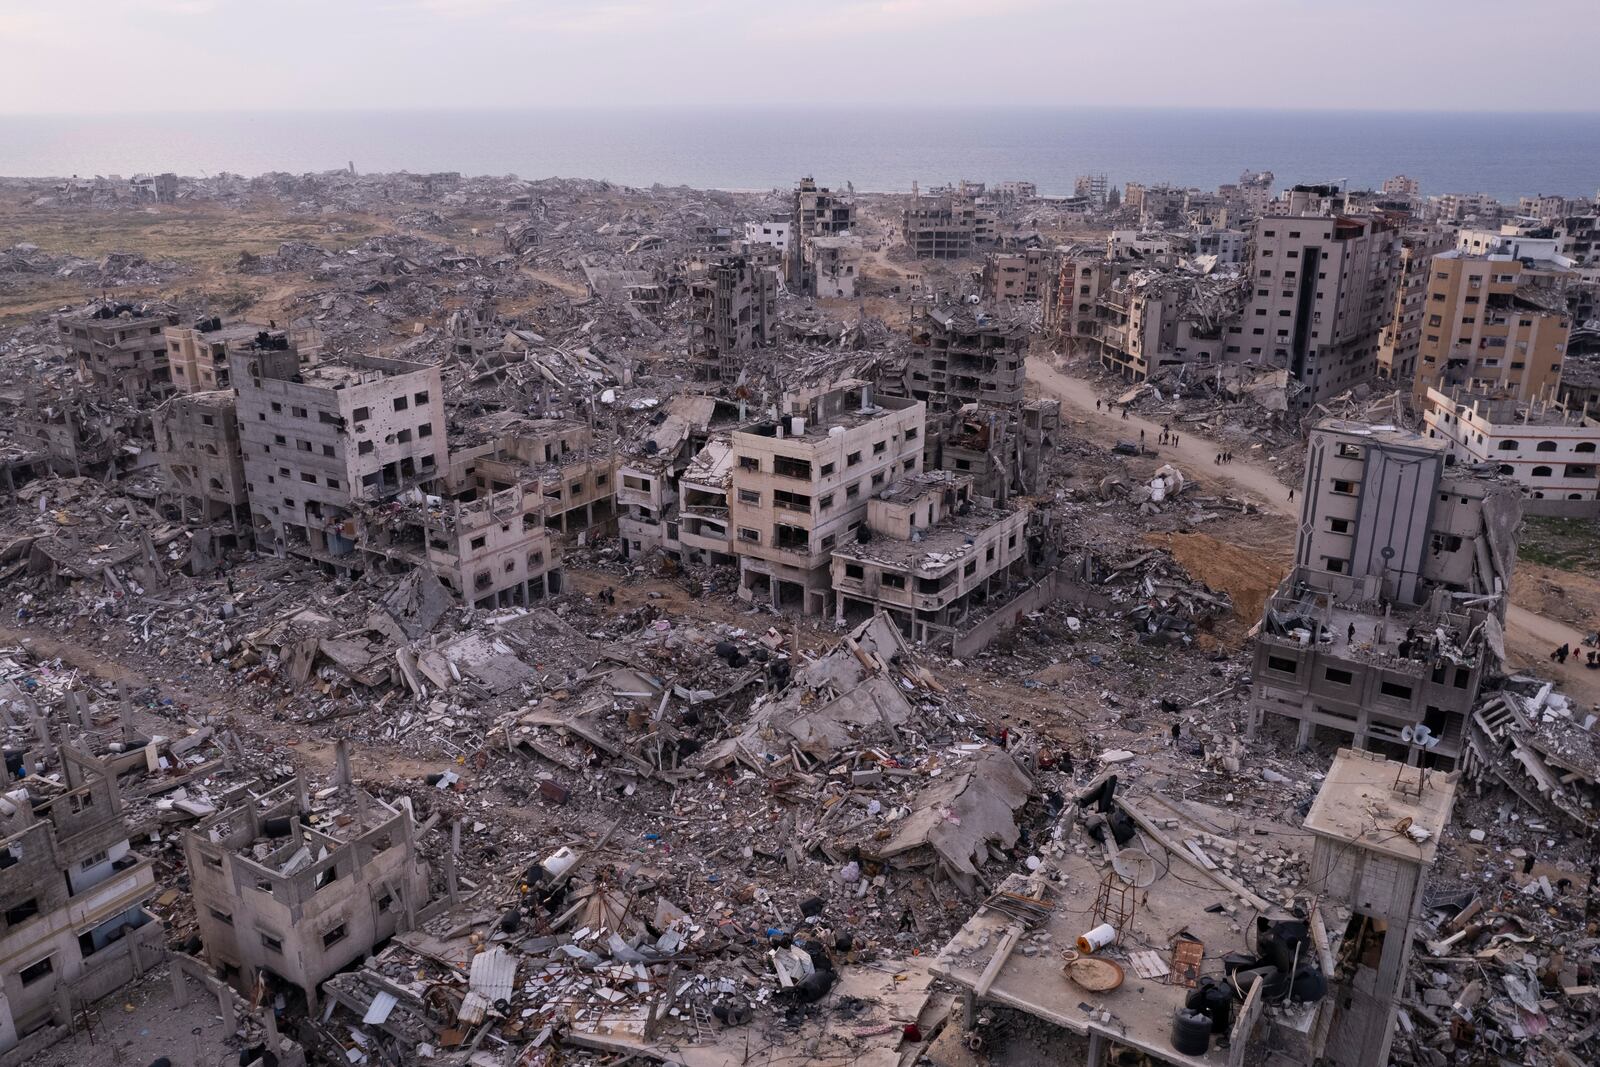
799	426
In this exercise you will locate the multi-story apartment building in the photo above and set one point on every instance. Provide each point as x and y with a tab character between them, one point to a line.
1401	187
202	464
773	230
73	924
201	357
577	474
1402	566
832	266
963	355
733	309
1401	337
933	556
337	435
1547	448
1493	324
121	347
1322	288
800	486
287	902
1018	277
940	227
1072	307
1467	207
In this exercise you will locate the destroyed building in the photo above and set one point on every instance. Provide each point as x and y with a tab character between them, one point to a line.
733	309
121	348
284	902
1072	314
801	483
73	891
202	463
1003	450
1392	617
1156	319
930	557
576	473
201	357
960	355
1376	829
316	443
832	266
940	227
1022	276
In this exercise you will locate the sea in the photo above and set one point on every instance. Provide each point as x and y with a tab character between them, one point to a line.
873	149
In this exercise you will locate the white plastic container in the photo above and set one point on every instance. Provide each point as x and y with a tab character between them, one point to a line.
559	862
1097	939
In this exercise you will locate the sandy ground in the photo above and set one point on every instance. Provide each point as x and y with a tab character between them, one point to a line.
140	1023
1529	636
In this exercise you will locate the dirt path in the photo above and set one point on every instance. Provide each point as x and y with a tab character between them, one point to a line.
1529	636
1194	456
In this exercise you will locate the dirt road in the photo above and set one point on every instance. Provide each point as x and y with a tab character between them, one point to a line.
1529	637
1195	456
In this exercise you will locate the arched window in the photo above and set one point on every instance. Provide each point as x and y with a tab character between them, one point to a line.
1574	496
1541	472
1507	446
1547	446
1506	468
1583	446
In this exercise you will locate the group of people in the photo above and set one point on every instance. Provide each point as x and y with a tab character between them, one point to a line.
1592	661
1223	457
1167	436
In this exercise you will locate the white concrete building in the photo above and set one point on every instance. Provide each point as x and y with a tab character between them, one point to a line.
773	230
1549	449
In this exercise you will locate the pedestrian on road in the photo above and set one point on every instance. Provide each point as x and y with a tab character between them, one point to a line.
1174	440
1097	404
1291	496
1350	635
1217	459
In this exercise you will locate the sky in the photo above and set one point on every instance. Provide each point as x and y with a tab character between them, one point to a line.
130	56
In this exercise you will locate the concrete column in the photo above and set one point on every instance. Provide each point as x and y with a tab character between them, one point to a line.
180	985
1099	1049
1359	738
225	1008
1302	738
341	757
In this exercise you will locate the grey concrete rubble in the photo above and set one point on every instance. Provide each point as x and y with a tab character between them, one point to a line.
474	622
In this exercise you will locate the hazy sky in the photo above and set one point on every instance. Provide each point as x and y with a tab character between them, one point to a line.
165	55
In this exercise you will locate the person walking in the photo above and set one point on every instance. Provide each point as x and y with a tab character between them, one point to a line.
1291	496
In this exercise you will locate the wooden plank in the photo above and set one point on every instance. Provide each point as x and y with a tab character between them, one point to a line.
1008	941
1198	853
1182	853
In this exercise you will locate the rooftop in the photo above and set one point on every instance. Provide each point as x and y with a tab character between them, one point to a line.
1382	805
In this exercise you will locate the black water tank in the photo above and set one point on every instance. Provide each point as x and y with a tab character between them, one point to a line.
1191	1032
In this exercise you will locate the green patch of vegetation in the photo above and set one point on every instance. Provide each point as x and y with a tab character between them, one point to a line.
1565	544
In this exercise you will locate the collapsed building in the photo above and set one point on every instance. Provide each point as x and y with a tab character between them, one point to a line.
733	310
73	891
960	355
121	348
1393	615
284	901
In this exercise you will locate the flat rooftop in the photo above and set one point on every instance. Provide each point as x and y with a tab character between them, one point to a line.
942	547
1383	432
1365	799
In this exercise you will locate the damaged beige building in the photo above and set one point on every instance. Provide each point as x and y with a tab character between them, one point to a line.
733	309
73	924
961	355
121	348
284	903
202	464
801	483
1393	615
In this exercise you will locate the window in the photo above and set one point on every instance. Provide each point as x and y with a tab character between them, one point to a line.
852	491
749	496
854	570
1335	566
401	403
221	916
420	398
92	861
272	944
1541	472
361	414
403	437
852	459
877	479
827	469
1339	525
364	448
911	434
749	463
327	450
334	936
37	971
1545	446
1396	690
333	483
277	408
279	439
747	534
1343	487
22	912
879	447
426	430
1281	665
306	476
478	542
298	413
894	581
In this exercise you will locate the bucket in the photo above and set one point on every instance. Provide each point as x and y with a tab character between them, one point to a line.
1097	939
